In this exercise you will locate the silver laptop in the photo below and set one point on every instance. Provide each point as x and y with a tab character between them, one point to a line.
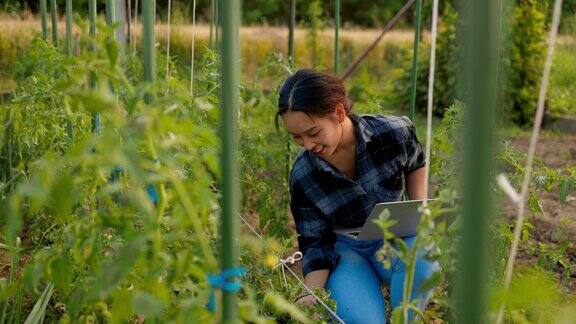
405	213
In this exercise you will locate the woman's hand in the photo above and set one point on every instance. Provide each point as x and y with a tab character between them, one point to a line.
306	300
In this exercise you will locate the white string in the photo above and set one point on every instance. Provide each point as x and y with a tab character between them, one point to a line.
317	298
294	274
250	226
192	50
168	48
531	151
297	256
430	99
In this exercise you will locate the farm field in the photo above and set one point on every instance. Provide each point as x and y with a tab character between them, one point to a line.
113	179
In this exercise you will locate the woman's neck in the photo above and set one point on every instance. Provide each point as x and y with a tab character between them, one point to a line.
348	138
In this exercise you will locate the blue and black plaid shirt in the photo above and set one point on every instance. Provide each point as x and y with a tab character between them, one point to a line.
323	198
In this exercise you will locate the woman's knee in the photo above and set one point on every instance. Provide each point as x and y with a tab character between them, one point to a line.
355	288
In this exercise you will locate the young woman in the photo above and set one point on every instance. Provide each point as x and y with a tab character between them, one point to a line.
349	163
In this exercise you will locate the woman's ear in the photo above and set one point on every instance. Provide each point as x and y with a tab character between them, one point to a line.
340	112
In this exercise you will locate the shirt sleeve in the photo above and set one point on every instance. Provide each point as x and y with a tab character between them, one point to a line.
415	158
315	236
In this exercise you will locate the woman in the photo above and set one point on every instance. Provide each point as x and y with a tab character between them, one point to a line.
349	164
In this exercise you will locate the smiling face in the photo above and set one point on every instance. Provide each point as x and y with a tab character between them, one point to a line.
320	135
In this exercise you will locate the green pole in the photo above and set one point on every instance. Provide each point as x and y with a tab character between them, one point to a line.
148	46
217	23
229	106
291	26
54	16
110	13
479	60
69	53
69	49
212	11
92	15
44	19
415	58
292	61
336	34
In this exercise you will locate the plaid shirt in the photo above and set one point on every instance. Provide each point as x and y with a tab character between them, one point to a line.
323	198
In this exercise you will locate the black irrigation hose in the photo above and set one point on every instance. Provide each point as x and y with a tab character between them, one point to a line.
386	29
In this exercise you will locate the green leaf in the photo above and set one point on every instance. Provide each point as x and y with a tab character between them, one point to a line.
431	282
62	274
147	305
282	305
534	204
565	188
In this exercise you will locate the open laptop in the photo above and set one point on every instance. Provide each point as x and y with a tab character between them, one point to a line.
405	213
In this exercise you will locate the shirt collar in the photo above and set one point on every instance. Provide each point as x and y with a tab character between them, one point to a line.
362	128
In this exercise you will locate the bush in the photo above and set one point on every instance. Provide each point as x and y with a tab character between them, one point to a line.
446	69
525	60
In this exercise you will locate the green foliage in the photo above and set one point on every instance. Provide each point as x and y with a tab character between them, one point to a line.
525	63
562	99
315	26
445	86
110	253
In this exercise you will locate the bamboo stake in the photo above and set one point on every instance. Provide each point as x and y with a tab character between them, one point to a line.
54	16
92	15
229	106
337	34
168	48
192	49
415	59
291	26
479	59
135	26
69	45
148	45
44	19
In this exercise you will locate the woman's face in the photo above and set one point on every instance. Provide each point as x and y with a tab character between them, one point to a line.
320	135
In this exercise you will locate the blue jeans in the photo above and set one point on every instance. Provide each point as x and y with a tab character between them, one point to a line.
355	282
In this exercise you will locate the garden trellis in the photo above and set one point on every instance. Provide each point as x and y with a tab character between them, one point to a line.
478	78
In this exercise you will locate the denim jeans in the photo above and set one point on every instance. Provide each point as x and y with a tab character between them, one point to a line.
355	282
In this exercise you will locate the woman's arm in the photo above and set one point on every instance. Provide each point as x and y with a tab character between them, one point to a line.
415	183
316	279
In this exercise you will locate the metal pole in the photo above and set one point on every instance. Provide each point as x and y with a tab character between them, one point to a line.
92	15
54	16
69	45
168	46
415	58
148	46
212	15
44	19
129	21
291	26
135	27
217	24
192	49
229	106
110	13
337	34
479	60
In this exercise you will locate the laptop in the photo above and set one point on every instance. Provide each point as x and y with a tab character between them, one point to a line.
406	215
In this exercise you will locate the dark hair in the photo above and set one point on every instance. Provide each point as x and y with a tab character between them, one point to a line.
312	92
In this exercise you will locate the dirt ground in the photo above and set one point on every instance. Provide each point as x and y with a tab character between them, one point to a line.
557	223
